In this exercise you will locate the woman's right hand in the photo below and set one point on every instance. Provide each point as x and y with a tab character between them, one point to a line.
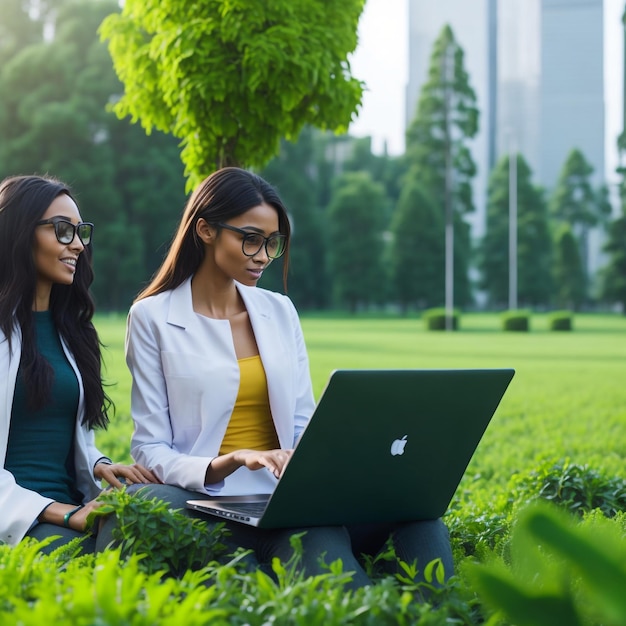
222	466
273	460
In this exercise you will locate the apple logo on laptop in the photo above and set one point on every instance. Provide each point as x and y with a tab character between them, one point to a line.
397	447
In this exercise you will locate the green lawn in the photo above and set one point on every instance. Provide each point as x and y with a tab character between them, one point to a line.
567	402
567	399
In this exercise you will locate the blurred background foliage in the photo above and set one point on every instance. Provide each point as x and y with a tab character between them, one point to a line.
368	228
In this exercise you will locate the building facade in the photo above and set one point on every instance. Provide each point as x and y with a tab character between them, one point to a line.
537	69
472	29
572	111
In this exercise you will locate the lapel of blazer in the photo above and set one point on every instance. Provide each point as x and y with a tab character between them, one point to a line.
180	312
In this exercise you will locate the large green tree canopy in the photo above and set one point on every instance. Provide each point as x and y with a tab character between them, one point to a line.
53	119
230	78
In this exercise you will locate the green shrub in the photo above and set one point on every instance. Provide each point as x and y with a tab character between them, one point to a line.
103	589
480	528
168	540
577	488
561	572
561	320
109	590
435	319
516	320
476	533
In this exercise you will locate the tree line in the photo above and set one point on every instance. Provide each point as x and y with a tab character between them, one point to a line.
368	229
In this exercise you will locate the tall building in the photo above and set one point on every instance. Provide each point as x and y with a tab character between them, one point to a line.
572	85
537	69
551	89
518	83
470	23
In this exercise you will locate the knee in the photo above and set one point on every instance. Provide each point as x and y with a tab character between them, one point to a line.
436	529
328	533
312	542
427	540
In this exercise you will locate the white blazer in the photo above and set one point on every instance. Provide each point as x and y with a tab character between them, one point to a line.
186	379
20	507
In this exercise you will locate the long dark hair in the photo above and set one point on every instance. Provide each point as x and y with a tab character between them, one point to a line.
225	194
23	200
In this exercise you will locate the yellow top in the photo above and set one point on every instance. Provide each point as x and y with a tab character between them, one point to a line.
251	425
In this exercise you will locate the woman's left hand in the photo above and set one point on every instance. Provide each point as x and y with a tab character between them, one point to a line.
132	474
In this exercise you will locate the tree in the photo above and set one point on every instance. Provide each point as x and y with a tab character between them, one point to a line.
355	230
534	244
294	173
614	274
230	79
575	202
384	168
569	274
149	182
416	250
437	151
17	28
53	119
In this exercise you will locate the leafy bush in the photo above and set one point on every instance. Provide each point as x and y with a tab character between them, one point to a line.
436	319
477	533
480	529
562	572
168	540
578	488
103	589
516	320
561	320
109	590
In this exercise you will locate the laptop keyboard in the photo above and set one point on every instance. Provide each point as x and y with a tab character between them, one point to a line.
254	509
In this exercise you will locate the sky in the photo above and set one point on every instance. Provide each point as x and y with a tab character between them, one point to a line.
381	60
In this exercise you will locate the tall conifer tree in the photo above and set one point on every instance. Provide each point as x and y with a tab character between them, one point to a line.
576	203
534	243
569	274
437	149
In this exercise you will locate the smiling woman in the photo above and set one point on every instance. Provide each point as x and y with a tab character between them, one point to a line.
51	394
56	248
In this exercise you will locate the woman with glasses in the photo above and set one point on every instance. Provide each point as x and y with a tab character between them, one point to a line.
221	385
51	394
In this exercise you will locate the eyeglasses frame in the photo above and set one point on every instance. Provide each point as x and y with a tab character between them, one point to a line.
56	220
246	233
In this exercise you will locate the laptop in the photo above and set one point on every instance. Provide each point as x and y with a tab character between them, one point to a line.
381	446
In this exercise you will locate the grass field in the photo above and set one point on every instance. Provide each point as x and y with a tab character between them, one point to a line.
565	409
567	399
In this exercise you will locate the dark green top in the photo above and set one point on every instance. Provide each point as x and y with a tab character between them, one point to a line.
40	452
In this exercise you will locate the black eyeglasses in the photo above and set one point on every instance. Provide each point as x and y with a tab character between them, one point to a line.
253	242
65	231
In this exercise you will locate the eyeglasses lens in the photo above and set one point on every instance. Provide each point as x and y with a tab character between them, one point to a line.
84	233
274	247
65	232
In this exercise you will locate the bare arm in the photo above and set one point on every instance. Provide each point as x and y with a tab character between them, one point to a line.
55	514
110	472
